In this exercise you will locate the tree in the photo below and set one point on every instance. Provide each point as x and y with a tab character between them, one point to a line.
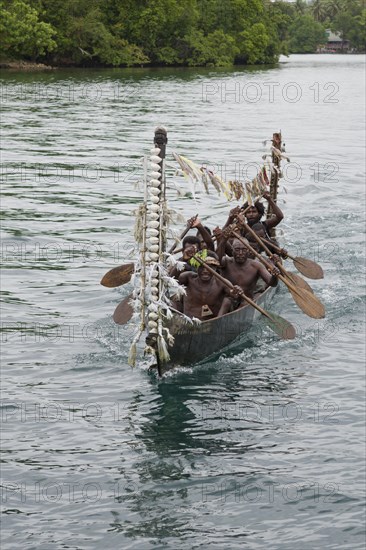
350	22
319	11
306	35
22	34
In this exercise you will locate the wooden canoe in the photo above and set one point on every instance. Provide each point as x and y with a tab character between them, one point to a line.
196	343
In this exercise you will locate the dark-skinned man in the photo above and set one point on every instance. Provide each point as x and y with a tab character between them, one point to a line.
243	271
255	213
203	234
191	245
206	297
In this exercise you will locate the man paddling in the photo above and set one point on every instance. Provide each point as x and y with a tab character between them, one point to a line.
206	297
203	233
255	213
242	271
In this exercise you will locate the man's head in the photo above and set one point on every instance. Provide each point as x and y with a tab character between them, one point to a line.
190	245
259	230
255	212
240	251
203	273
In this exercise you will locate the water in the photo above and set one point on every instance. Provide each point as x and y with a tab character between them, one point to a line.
261	448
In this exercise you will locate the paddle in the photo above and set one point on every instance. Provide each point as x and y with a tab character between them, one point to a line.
182	235
307	267
121	274
294	278
278	324
299	281
123	312
118	276
306	301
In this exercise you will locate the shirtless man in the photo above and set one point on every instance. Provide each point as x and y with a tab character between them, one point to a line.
206	296
203	234
245	272
256	212
259	230
191	245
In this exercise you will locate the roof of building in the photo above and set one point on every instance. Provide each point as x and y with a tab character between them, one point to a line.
333	36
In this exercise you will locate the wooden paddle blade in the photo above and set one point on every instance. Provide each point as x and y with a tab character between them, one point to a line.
118	276
310	269
123	312
283	328
308	303
299	281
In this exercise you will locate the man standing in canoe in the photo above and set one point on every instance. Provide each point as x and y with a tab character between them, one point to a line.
206	297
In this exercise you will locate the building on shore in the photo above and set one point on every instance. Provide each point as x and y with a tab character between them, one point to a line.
335	43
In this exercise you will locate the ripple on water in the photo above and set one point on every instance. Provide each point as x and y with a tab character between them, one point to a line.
258	447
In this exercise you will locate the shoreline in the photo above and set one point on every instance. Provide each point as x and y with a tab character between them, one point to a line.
25	66
29	66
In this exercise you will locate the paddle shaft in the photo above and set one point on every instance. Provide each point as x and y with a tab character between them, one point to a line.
263	260
268	252
262	242
278	249
214	238
231	286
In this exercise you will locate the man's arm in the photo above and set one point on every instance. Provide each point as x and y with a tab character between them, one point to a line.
225	306
196	223
270	279
204	233
229	295
278	214
232	215
185	276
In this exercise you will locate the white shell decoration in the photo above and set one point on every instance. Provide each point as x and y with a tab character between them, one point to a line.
154	191
153	316
153	225
155	183
155	175
155	158
155	151
153	324
154	208
155	167
154	257
152	232
154	248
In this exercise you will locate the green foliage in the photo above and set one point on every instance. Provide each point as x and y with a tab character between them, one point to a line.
253	44
22	34
214	50
306	35
173	32
351	24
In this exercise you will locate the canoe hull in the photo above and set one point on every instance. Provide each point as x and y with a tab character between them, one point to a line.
195	343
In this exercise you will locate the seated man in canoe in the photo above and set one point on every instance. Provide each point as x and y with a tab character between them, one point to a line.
203	233
259	230
241	270
206	297
191	245
256	212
